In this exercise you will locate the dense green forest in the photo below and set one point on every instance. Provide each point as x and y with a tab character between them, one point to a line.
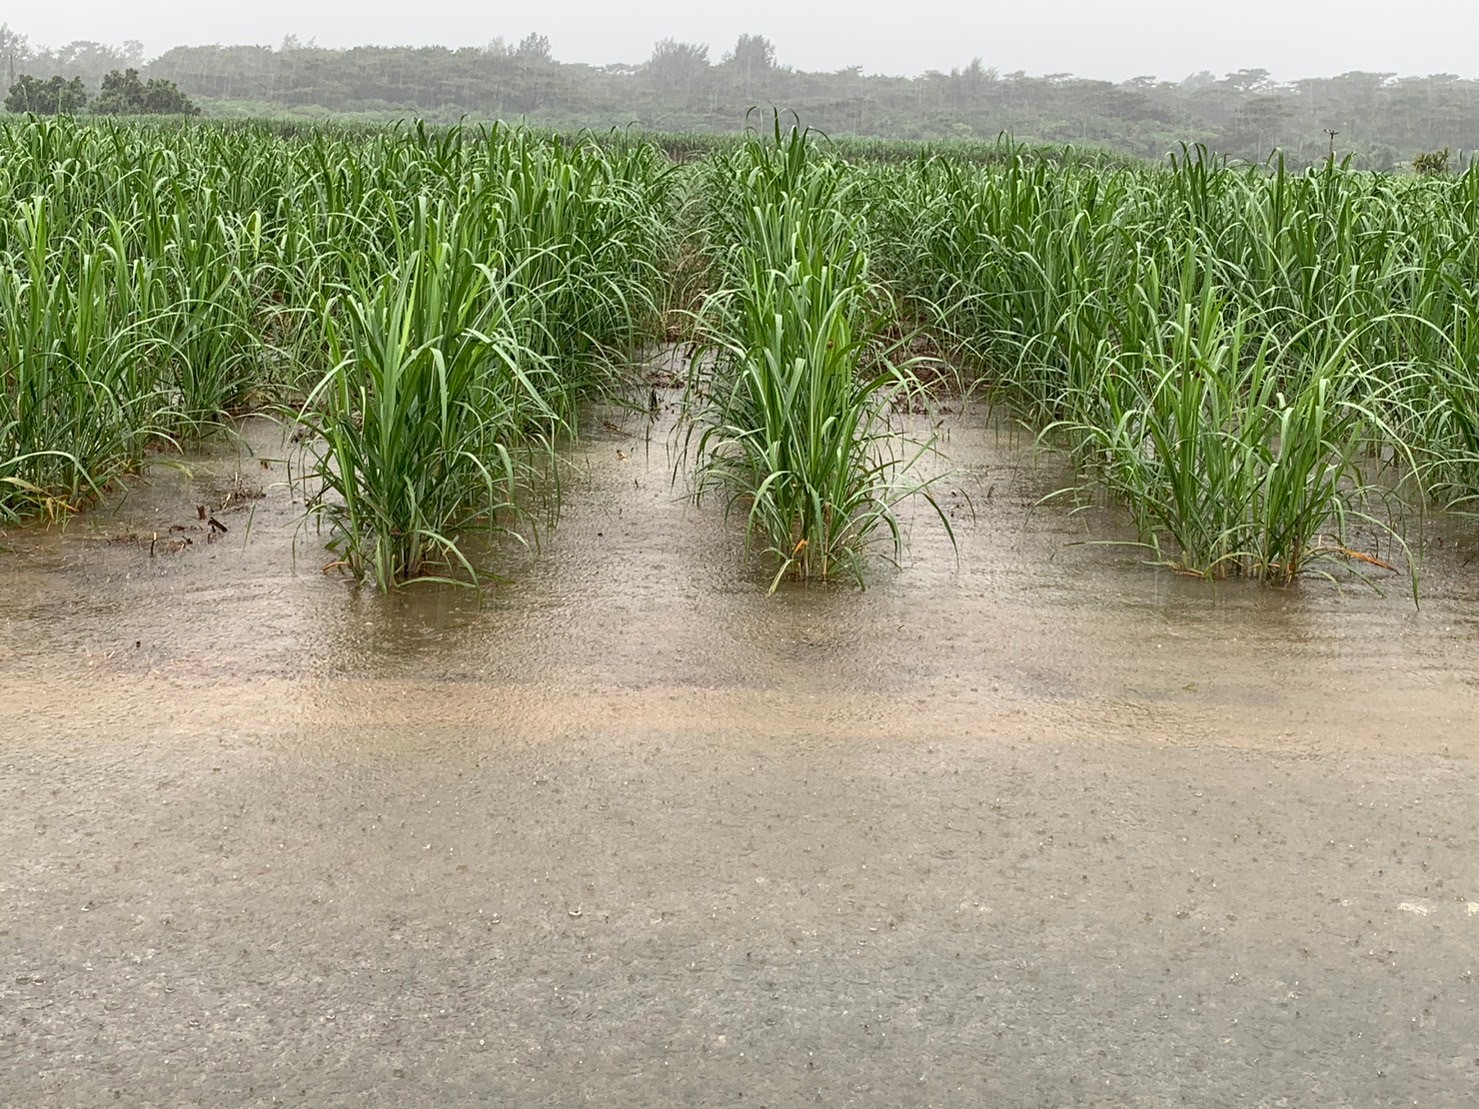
1382	118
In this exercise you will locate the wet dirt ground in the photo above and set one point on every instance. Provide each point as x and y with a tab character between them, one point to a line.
1026	824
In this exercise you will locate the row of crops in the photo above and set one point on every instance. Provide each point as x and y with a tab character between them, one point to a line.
1266	369
796	381
1252	361
432	306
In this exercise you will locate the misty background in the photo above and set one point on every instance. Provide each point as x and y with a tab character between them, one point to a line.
1141	78
1089	38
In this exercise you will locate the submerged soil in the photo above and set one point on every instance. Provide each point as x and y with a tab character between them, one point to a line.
1026	823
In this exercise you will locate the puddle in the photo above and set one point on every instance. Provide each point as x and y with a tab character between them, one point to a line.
638	617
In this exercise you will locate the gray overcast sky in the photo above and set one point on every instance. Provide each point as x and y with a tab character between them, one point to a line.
1111	39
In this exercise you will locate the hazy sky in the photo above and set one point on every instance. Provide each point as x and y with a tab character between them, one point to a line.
1093	38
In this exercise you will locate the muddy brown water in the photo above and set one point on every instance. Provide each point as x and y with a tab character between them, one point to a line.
1024	823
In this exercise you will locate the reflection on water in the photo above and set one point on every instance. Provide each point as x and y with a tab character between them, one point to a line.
637	616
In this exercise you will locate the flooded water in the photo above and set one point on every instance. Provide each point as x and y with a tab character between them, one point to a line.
1027	820
638	610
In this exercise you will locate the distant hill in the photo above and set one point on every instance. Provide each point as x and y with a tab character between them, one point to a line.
1383	119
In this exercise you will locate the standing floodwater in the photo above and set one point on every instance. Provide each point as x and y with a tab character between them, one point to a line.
1028	823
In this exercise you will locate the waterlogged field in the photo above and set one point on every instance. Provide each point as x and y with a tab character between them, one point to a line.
647	819
1272	374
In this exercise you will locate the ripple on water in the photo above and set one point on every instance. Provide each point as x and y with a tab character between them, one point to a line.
637	616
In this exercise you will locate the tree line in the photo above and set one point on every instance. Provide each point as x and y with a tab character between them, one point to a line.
1383	119
121	93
